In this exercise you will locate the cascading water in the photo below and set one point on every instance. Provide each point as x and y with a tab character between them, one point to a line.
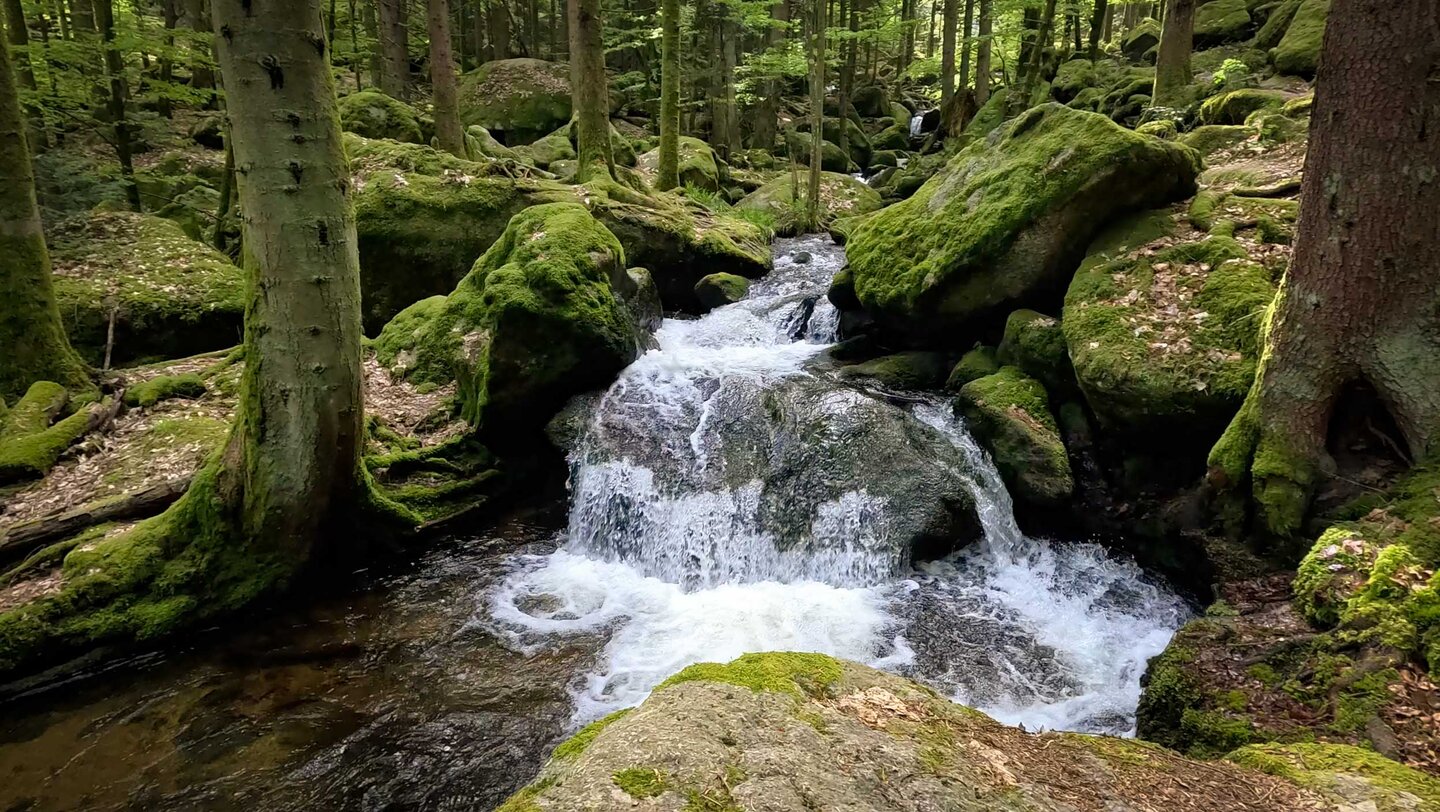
729	494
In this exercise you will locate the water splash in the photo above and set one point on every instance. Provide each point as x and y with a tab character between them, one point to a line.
681	546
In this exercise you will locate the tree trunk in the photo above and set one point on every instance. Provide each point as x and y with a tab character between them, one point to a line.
394	57
1045	26
499	14
82	18
817	113
372	32
669	176
1097	25
767	111
947	52
1172	61
725	116
1360	303
36	348
982	54
201	75
115	71
442	80
170	17
588	84
964	43
19	36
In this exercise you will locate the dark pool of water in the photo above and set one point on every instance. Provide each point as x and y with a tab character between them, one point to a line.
387	697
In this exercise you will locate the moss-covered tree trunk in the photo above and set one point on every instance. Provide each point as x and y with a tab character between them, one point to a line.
1098	18
394	56
982	53
669	174
34	342
19	35
119	90
813	206
1172	62
442	80
588	84
1361	301
947	51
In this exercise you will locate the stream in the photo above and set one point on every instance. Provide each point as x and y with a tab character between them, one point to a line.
730	492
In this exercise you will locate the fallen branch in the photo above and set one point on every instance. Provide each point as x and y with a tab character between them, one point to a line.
1284	188
24	538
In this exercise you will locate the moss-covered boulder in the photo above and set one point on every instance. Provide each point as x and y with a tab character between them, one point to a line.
857	141
841	196
480	144
894	137
832	158
698	166
793	732
1213	138
976	363
720	289
552	149
1235	106
1165	339
519	100
1007	221
1221	21
1298	52
536	321
168	294
904	370
1139	43
373	114
1010	414
1035	343
1272	30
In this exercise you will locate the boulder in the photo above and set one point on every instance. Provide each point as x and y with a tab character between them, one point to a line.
976	363
1007	221
858	142
791	732
539	319
519	100
552	148
905	370
170	296
372	114
698	166
1035	343
1275	25
871	101
1298	53
894	137
1235	106
720	289
832	158
1167	340
1138	44
1221	21
841	195
1212	138
481	144
209	131
1009	412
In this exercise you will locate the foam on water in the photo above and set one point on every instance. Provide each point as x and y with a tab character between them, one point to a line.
674	568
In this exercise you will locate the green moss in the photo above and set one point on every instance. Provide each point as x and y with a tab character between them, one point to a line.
719	289
1210	139
577	744
30	445
1221	20
976	363
1275	24
640	782
163	387
524	799
1035	343
982	233
779	672
553	148
1298	52
1320	766
170	295
1163	129
905	370
522	98
840	196
1235	106
373	114
1010	414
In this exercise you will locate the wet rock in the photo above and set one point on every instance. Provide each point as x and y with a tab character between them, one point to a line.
720	289
1010	415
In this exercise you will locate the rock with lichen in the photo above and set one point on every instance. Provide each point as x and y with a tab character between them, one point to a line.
519	100
1009	412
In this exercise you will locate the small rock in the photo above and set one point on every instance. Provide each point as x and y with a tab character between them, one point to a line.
801	257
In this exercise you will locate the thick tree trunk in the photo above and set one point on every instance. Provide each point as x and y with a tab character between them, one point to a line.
982	54
394	56
82	18
170	17
817	112
724	113
499	14
1097	24
201	75
947	51
442	80
1172	62
19	36
669	176
589	86
35	345
1360	303
115	71
767	112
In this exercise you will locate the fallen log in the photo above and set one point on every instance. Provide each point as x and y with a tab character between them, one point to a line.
27	537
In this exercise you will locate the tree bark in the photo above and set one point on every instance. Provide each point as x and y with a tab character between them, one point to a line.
394	56
1097	25
499	14
115	71
170	17
1172	61
817	113
982	54
19	35
35	345
947	51
201	74
82	18
767	112
669	175
1036	57
964	42
589	85
1360	303
725	116
442	80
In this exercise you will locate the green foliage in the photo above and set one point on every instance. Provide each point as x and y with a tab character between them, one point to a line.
1233	74
575	745
640	782
779	672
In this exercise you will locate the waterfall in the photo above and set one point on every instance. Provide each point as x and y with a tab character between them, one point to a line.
730	494
916	122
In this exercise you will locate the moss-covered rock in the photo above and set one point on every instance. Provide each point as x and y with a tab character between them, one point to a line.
1273	29
479	143
553	148
1163	129
720	289
904	370
857	142
520	100
1221	21
832	158
1010	414
698	166
1007	220
1298	52
976	363
895	137
1035	343
1224	213
841	196
169	295
536	321
1139	43
791	732
373	114
1364	778
1210	139
1235	106
163	387
1165	340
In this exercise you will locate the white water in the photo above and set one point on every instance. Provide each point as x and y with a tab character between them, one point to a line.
916	122
671	561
